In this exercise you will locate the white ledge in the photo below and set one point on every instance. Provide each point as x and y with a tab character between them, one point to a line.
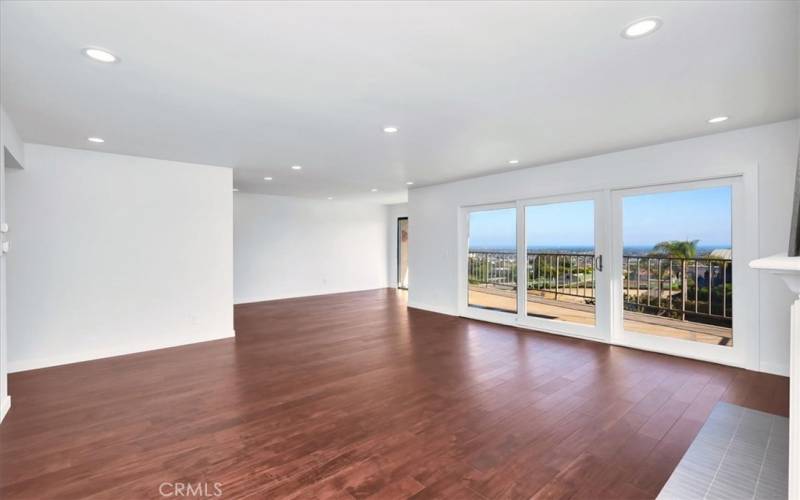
778	262
787	268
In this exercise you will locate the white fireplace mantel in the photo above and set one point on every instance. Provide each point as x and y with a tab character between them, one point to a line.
788	268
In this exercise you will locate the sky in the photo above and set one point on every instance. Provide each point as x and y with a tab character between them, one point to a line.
698	214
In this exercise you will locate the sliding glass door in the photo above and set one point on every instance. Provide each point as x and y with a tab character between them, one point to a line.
661	268
539	263
561	261
676	252
563	253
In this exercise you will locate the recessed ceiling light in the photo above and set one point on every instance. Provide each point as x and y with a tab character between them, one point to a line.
296	167
409	183
641	27
374	190
718	119
235	190
267	178
100	55
513	162
96	139
390	130
330	197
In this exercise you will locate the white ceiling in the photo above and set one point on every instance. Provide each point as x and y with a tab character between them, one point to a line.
262	86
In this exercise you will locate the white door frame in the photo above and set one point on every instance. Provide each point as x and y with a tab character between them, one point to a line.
491	315
5	399
745	295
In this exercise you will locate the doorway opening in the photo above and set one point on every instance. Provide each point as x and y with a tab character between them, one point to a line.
402	253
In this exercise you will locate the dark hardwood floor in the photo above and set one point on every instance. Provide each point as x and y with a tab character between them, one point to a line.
353	395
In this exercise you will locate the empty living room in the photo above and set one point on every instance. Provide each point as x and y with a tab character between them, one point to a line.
400	249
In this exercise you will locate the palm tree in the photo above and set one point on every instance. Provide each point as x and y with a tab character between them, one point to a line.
679	250
676	249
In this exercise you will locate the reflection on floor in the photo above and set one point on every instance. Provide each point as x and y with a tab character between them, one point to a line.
573	311
739	453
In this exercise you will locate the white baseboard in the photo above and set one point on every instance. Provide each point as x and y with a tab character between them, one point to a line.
436	309
5	405
775	369
65	359
267	298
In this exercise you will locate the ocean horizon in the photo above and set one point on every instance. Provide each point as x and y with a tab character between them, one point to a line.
586	249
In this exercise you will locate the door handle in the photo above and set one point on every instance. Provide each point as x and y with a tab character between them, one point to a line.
598	263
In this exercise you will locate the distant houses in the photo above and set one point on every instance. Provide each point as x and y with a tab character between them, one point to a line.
720	253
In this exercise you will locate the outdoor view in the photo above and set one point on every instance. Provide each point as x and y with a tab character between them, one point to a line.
492	269
560	256
676	268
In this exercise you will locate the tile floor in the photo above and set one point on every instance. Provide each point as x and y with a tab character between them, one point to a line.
739	453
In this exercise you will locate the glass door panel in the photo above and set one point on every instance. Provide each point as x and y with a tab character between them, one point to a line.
560	260
677	267
492	259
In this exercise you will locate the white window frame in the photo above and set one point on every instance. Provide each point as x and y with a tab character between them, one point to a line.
745	351
465	310
602	329
744	281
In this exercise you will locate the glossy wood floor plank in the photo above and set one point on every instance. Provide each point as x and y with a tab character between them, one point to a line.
355	396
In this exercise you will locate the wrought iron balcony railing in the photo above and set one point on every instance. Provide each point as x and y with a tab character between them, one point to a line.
698	289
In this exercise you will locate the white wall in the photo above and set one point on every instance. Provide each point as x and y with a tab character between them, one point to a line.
10	142
393	213
435	210
115	254
10	138
291	247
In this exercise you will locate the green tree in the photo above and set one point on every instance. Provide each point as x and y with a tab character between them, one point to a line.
678	250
